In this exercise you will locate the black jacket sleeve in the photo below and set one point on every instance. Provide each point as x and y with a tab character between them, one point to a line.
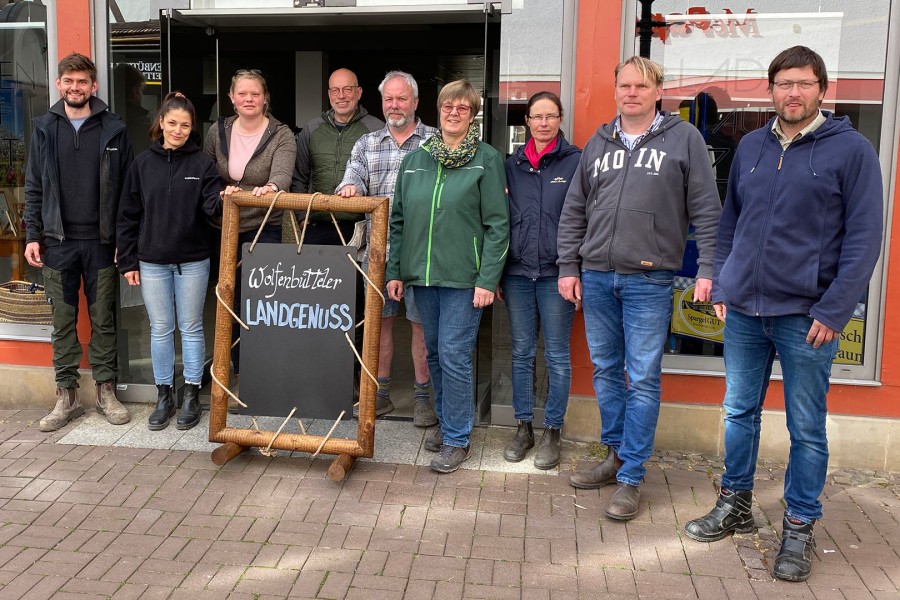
128	224
34	188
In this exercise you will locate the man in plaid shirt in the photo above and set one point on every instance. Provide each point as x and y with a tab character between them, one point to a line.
372	171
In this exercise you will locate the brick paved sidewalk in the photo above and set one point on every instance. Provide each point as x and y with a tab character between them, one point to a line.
84	522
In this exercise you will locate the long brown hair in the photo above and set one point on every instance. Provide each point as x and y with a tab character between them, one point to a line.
172	101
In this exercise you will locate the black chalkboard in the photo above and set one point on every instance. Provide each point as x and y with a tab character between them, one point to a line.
298	308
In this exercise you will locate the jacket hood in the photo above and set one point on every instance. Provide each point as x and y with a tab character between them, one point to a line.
361	112
562	149
832	126
191	145
608	130
96	104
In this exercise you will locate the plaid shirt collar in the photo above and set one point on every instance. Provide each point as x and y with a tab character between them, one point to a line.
657	121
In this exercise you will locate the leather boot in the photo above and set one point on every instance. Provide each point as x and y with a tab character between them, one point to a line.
189	414
67	408
794	561
599	476
623	506
109	406
518	447
165	408
731	513
547	454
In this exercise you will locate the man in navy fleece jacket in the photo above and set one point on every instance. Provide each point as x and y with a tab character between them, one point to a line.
799	238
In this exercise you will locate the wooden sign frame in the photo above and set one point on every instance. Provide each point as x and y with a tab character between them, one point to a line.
235	440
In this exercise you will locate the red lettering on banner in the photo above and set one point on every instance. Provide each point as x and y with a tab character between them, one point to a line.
727	27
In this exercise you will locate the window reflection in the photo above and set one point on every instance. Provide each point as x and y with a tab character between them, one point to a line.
24	95
716	61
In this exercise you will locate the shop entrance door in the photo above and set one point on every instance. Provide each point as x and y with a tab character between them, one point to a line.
296	50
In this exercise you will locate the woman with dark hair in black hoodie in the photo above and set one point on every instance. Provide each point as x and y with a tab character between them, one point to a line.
163	243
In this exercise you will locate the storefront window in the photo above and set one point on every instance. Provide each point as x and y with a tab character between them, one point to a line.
716	61
24	95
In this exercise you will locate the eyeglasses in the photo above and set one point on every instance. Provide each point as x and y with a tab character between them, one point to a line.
461	109
542	118
346	90
241	72
786	86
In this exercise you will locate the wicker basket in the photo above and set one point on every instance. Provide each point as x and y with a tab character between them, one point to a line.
23	302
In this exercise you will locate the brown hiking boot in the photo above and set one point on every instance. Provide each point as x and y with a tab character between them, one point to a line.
67	408
599	476
109	406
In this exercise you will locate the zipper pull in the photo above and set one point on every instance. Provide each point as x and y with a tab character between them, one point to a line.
780	159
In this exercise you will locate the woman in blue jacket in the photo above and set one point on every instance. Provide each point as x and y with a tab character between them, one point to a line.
538	177
163	243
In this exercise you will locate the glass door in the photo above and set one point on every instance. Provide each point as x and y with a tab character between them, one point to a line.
149	58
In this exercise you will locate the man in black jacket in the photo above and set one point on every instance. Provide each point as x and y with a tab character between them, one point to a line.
78	159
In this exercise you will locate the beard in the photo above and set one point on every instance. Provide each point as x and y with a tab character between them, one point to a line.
80	104
398	121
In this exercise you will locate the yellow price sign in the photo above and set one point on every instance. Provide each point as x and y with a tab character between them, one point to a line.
850	349
695	319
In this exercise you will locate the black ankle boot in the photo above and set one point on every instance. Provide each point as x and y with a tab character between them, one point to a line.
731	513
794	561
518	447
189	415
547	454
165	408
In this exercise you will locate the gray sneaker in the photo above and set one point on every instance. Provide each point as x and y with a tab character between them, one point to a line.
450	458
67	408
434	441
424	415
383	406
109	406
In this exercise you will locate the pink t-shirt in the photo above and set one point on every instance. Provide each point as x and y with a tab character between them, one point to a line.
239	152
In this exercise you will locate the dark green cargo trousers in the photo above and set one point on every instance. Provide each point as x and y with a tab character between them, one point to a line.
68	265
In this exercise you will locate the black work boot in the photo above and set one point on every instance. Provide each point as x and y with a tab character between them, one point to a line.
165	408
794	561
547	454
731	513
518	447
189	414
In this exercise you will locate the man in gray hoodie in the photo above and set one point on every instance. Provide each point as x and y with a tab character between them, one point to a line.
642	180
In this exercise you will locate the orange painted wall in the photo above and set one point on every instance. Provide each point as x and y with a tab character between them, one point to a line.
73	22
596	56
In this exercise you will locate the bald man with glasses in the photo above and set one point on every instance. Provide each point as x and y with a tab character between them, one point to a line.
323	148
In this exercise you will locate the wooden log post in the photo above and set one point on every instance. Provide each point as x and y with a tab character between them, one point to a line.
340	466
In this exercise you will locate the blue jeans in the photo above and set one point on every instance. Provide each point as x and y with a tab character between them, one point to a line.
750	347
450	324
186	284
626	319
532	303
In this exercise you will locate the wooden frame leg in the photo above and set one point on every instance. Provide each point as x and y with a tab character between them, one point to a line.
226	452
340	466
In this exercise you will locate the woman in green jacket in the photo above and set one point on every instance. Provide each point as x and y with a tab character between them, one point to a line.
449	235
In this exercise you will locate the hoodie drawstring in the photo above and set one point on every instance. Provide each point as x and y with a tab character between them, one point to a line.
811	150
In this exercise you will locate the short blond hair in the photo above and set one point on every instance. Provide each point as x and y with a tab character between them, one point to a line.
650	71
460	89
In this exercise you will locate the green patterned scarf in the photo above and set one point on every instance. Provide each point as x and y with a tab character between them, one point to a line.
451	158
